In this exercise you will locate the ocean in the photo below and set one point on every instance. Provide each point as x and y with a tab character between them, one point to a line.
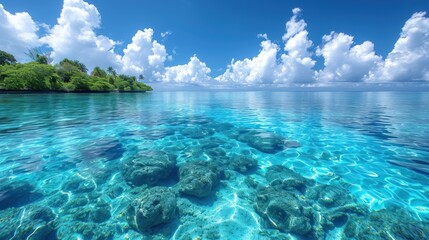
215	165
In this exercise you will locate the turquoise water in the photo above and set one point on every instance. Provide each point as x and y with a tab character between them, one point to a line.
204	165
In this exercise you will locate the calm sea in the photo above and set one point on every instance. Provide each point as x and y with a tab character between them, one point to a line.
101	166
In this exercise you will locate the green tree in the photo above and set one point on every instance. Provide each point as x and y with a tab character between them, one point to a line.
68	75
111	71
80	66
101	85
98	72
6	58
143	87
42	59
67	68
30	76
9	79
80	83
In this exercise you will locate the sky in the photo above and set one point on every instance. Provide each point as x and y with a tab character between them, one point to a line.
230	43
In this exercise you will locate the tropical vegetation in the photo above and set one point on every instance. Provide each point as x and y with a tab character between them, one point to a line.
68	76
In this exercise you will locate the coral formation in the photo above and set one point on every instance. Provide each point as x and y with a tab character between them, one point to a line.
198	178
148	167
154	206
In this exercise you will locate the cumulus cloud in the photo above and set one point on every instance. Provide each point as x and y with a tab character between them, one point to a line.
345	61
297	64
195	72
18	33
293	26
409	59
144	56
259	69
74	37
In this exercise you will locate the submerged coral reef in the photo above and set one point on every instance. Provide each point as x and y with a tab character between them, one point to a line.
172	191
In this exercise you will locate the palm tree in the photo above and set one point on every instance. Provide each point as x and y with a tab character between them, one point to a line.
111	71
98	72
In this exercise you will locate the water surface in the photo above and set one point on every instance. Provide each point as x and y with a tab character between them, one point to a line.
62	159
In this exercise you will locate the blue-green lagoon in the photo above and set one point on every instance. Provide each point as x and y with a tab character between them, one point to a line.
215	165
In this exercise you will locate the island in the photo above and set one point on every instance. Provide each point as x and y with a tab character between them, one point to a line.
66	76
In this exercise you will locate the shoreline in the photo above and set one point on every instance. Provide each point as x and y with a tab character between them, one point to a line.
5	92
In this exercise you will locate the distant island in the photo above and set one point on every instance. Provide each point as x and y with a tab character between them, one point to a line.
66	76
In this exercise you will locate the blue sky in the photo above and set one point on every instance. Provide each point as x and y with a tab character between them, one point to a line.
218	31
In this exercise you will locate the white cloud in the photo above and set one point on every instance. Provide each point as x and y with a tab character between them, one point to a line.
144	56
263	36
345	62
297	64
195	72
293	26
18	33
409	59
259	69
74	36
166	34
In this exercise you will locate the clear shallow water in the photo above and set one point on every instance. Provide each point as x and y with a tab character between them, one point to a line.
62	159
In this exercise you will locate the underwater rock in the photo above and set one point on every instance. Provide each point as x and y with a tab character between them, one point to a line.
314	210
148	167
407	230
106	148
287	178
390	223
91	214
84	210
82	215
79	185
242	164
330	195
88	230
198	178
8	222
35	222
100	215
261	140
197	132
58	200
209	143
114	191
155	206
284	210
16	194
251	182
41	213
216	153
192	152
288	204
338	216
76	202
